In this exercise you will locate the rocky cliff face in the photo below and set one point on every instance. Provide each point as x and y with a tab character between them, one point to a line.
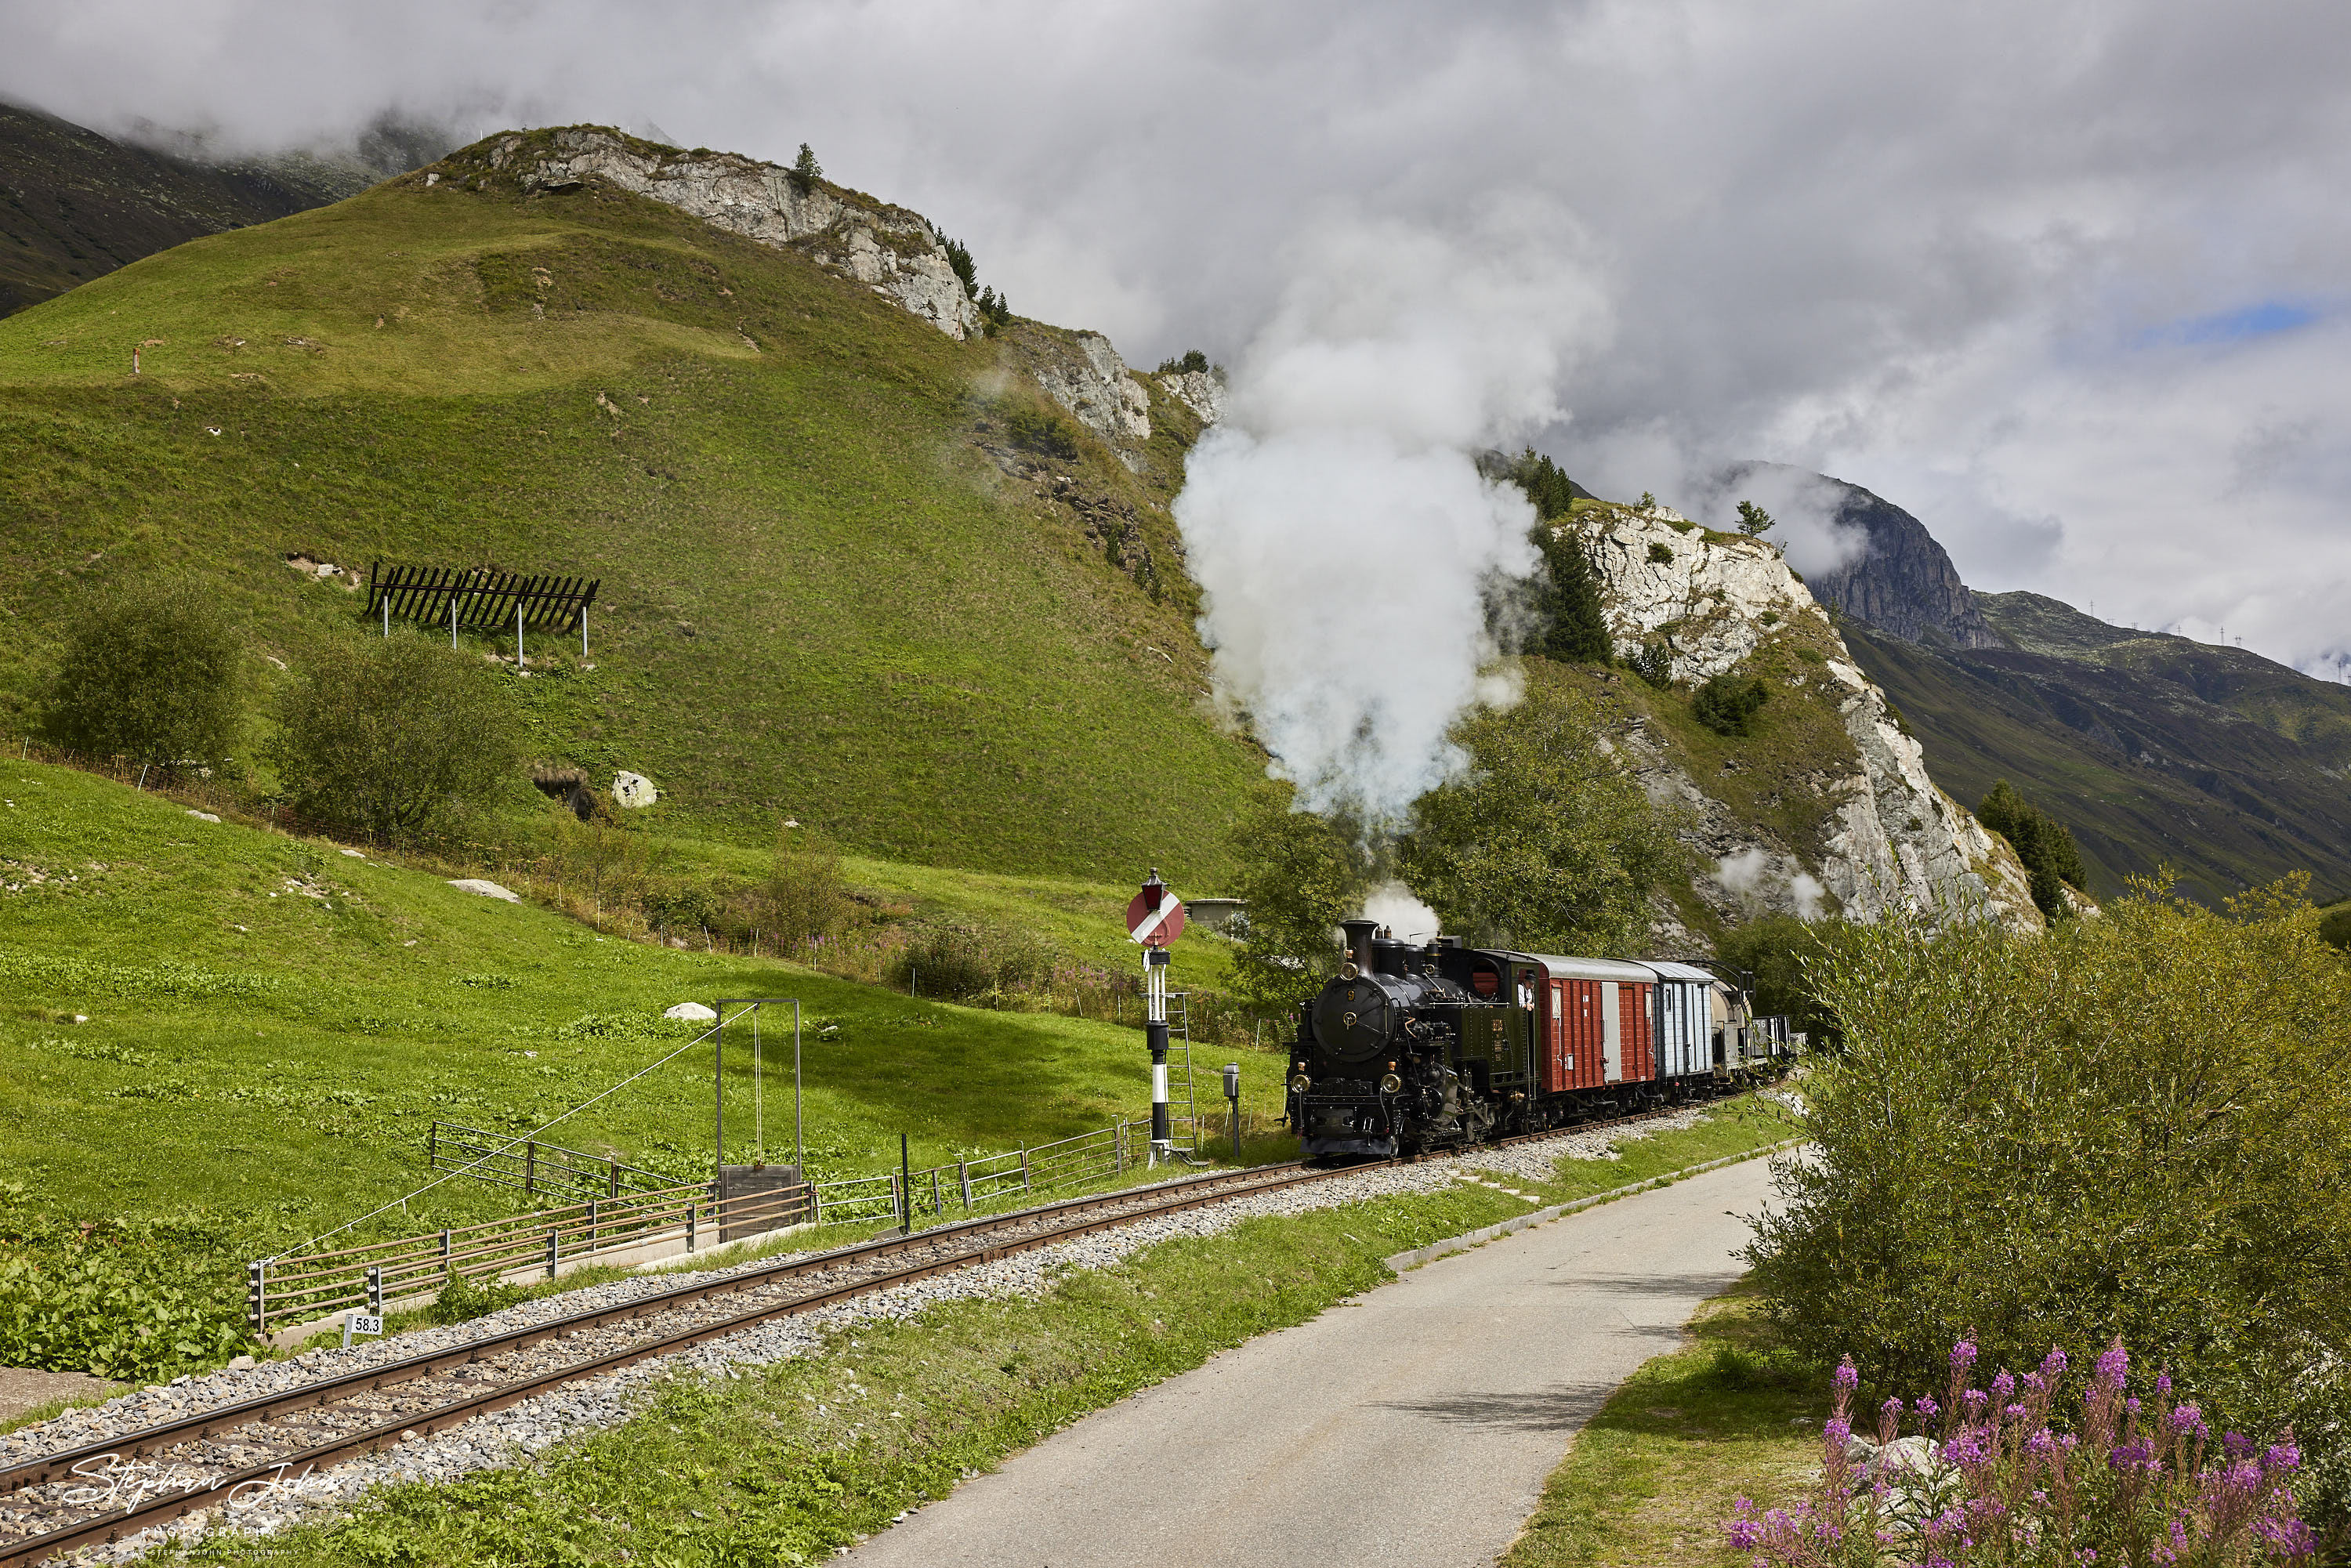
1854	816
1084	374
891	250
1901	582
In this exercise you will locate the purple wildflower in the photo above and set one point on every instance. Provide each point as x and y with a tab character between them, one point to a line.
2163	1383
2236	1445
2281	1457
2053	1365
2113	1365
2003	1386
1963	1355
2131	1405
1926	1408
1847	1376
2013	1411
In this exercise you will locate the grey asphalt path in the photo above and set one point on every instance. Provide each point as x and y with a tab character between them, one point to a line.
1412	1427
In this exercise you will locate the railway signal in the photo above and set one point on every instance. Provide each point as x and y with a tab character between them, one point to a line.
1155	919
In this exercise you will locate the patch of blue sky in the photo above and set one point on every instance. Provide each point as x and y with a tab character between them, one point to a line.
2265	319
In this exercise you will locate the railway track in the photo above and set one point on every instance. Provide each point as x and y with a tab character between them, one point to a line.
102	1492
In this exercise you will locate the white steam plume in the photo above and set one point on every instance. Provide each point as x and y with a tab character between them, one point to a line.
1337	519
1393	906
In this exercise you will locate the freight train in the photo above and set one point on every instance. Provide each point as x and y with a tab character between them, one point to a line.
1417	1046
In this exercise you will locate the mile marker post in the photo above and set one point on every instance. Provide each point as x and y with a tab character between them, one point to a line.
1155	919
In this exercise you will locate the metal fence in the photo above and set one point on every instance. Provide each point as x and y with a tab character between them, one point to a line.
304	1287
540	1169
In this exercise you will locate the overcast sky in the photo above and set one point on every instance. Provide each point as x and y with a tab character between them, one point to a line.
2065	280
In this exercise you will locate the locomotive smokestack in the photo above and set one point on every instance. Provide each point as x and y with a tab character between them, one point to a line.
1359	942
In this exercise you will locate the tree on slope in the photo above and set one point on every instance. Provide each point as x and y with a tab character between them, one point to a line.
392	735
151	674
1544	843
1305	873
2043	843
1568	622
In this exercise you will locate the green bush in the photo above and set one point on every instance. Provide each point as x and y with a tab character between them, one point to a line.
2139	1126
1042	432
1544	844
392	735
123	1299
807	898
150	672
1192	362
1660	555
1302	873
1779	951
1654	663
2044	844
2334	926
1726	704
969	961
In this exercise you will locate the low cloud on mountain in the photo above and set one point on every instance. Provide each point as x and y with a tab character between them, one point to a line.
2064	281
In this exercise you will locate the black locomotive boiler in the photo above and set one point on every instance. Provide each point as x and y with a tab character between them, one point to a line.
1433	1045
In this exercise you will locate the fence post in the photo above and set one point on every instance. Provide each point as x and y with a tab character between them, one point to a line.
963	1175
692	1209
551	1250
936	1206
615	1163
592	1224
433	1148
375	1289
447	1269
256	1287
1024	1168
530	1166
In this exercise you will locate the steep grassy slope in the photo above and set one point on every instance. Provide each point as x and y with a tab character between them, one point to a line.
822	597
2153	749
272	1024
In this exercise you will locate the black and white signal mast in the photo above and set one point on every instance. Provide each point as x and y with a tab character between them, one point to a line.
1155	920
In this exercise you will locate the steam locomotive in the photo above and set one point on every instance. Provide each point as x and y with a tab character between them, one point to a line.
1427	1046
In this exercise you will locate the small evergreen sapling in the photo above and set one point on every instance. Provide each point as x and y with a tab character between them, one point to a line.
806	171
1754	520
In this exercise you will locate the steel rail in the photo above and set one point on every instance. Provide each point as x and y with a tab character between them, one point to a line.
1188	1192
1174	1197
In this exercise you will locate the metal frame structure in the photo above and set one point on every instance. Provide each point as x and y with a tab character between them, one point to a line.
480	599
718	1081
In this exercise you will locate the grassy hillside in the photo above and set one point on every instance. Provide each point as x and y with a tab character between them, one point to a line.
822	596
2154	750
271	1024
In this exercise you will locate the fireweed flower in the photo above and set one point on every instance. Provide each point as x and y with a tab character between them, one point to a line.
2163	1383
2053	1365
2114	1364
1963	1355
1848	1377
2236	1445
1926	1408
2003	1386
2281	1457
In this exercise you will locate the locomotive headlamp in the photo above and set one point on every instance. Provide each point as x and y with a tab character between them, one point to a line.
1348	971
1391	1084
1300	1084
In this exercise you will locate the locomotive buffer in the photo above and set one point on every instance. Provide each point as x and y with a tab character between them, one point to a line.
1155	919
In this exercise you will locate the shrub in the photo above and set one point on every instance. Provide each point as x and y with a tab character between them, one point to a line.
1726	704
969	961
1778	950
1193	362
959	260
125	1299
2334	926
1303	872
2044	844
807	900
1544	844
2138	1126
2135	1483
1039	431
149	673
1654	663
806	171
994	312
1660	555
392	735
1754	520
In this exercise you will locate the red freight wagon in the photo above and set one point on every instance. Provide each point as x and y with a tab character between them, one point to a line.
1601	1024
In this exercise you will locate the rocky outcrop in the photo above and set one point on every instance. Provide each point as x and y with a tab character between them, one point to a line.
1888	837
1084	374
1706	599
1202	392
1901	582
891	250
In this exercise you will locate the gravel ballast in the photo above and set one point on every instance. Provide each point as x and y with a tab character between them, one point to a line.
511	1436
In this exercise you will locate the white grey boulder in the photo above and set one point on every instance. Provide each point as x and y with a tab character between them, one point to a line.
486	889
690	1012
634	790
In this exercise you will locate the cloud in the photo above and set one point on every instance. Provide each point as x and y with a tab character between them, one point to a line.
2030	272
